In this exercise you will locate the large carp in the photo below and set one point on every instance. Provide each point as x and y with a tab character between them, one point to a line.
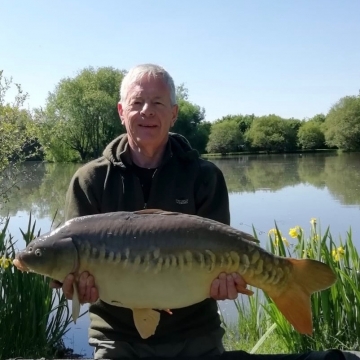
152	260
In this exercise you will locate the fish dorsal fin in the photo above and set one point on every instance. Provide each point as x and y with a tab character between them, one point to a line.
75	303
155	211
146	321
249	237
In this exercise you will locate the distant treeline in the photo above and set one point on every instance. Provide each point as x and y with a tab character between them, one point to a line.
80	118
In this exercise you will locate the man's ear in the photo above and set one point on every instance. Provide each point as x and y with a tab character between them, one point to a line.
121	112
175	112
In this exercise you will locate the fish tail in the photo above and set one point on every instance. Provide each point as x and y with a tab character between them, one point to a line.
308	276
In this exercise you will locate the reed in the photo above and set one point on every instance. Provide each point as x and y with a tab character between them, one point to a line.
336	317
33	317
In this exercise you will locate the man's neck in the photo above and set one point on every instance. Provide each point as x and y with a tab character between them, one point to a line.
146	157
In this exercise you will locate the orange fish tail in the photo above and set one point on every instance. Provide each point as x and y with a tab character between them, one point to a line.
294	302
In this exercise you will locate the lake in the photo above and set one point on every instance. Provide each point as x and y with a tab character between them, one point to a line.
288	189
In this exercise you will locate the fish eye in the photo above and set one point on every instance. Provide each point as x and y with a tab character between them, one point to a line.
38	252
30	249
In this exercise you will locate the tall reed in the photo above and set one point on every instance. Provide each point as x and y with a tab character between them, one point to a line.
336	315
33	317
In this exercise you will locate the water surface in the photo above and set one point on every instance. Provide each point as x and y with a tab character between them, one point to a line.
263	189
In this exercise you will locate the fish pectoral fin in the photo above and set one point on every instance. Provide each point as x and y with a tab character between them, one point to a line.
146	321
75	303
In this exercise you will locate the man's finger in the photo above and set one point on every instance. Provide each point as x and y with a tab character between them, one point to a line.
82	285
241	285
239	280
214	289
232	293
94	295
243	290
90	283
222	287
68	286
54	284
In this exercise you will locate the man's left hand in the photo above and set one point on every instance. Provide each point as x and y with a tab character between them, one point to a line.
227	287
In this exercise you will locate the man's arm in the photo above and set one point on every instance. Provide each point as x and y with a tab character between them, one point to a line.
80	201
212	198
80	197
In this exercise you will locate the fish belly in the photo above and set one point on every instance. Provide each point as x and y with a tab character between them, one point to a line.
139	287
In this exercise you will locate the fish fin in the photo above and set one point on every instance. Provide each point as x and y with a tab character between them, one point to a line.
156	211
75	303
249	237
308	276
146	321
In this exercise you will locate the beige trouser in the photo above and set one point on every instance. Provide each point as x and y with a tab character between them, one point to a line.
193	347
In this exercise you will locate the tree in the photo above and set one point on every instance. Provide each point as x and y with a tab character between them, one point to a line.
244	121
342	124
272	133
225	136
190	121
17	135
310	134
83	111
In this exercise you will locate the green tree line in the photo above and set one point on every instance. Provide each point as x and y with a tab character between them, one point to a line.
80	118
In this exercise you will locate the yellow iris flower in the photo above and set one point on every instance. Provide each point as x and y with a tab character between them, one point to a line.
338	253
284	240
5	262
295	232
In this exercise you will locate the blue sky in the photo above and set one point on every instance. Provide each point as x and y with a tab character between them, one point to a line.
291	58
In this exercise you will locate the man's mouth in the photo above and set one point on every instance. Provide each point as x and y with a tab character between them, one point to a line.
147	125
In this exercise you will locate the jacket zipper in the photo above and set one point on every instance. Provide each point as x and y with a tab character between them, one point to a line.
152	185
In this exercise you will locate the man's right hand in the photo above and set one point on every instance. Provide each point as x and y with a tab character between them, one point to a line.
88	292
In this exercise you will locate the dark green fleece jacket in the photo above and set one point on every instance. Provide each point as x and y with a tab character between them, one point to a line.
184	183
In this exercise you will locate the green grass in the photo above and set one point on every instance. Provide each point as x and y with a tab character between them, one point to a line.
253	332
33	317
336	314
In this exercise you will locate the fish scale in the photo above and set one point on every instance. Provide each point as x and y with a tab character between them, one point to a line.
153	260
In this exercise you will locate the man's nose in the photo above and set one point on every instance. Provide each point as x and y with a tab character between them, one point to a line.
148	109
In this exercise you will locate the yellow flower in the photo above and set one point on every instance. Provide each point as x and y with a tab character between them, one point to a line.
284	240
316	237
272	231
338	253
5	262
313	221
295	232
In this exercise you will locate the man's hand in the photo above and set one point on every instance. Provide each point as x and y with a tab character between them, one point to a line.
227	287
88	292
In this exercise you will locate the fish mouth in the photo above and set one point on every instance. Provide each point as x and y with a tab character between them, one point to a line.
20	265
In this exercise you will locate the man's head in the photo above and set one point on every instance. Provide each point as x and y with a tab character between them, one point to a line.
147	105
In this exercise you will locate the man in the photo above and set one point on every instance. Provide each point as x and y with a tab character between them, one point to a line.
149	167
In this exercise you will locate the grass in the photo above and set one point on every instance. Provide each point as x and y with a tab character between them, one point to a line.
253	331
336	317
33	317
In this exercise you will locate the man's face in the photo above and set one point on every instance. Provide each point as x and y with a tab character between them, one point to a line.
147	113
